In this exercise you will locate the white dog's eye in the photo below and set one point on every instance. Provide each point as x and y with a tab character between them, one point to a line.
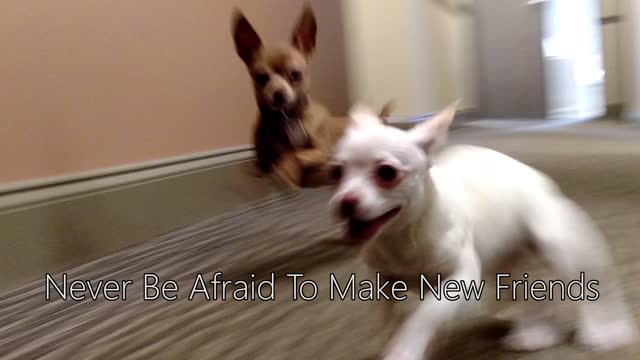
387	176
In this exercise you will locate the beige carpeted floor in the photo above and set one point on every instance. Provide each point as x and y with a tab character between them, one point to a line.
596	164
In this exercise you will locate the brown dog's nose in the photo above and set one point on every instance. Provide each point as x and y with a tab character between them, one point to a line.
348	205
278	97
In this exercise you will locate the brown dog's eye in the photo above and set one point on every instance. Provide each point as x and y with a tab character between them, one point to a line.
387	176
336	172
262	79
295	76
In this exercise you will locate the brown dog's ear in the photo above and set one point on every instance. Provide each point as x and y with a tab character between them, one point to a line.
245	37
304	34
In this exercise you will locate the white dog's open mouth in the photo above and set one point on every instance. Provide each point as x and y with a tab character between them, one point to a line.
361	231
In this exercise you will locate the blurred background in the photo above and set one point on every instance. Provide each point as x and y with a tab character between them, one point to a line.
100	84
122	121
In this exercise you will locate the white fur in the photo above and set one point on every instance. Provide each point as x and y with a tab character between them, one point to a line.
464	216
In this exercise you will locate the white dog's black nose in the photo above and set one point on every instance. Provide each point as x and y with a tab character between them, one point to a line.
348	206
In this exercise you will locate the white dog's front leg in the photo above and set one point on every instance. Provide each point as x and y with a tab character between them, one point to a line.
415	334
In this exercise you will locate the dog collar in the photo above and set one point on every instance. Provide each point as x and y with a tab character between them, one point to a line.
296	133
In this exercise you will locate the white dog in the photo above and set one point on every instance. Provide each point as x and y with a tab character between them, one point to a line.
463	214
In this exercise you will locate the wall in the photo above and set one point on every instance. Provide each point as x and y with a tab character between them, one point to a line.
420	53
95	84
630	58
621	45
611	49
511	73
574	66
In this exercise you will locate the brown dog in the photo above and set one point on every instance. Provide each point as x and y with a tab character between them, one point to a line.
294	136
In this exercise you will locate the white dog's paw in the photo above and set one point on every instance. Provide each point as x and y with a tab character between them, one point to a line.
606	337
400	352
400	355
533	337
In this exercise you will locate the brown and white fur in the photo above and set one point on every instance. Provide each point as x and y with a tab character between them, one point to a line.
294	136
463	213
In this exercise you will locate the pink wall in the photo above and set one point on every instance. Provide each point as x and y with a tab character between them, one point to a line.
87	85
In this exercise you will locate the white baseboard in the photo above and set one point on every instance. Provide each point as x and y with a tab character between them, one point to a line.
17	196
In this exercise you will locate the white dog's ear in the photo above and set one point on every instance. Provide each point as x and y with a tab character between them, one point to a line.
432	133
364	116
386	111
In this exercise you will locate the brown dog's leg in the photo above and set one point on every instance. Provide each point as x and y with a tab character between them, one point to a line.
316	176
315	167
288	171
312	157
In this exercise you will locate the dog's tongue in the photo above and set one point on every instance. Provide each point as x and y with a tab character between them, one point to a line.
362	231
